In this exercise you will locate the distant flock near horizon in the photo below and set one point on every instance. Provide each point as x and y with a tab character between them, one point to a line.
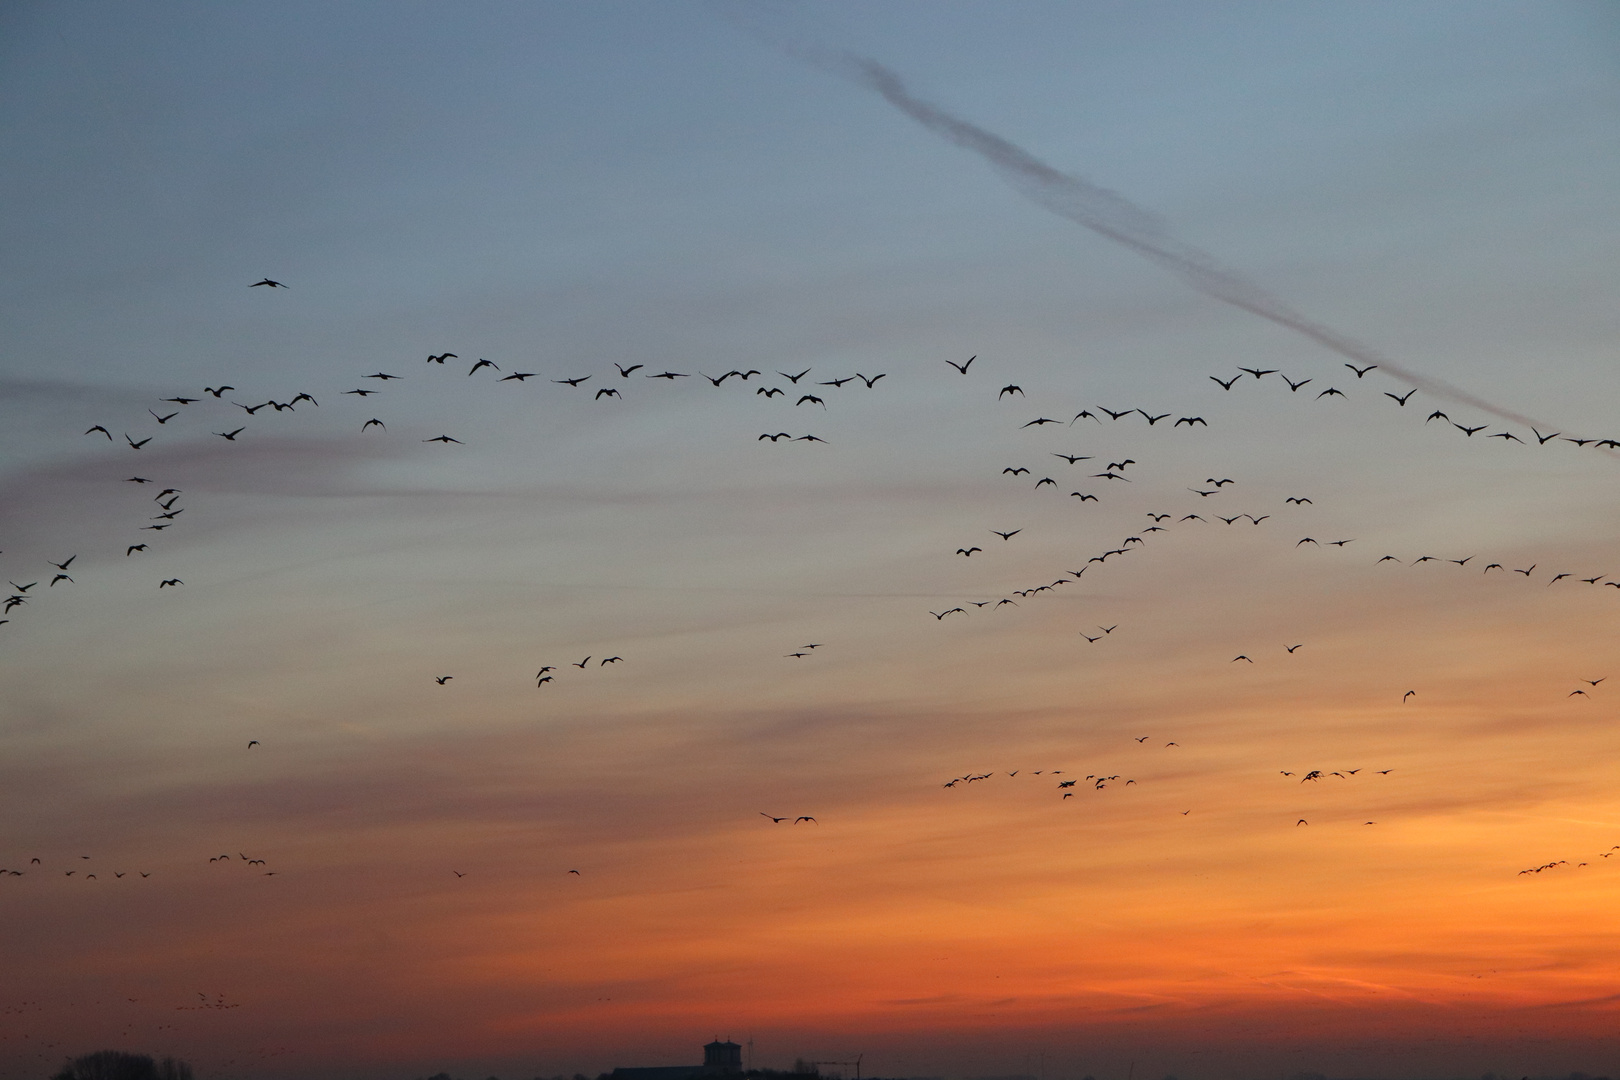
1112	472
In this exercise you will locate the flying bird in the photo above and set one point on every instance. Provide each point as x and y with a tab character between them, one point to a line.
372	421
483	364
170	581
1010	388
444	439
1007	535
267	281
101	429
959	367
1360	372
624	372
442	679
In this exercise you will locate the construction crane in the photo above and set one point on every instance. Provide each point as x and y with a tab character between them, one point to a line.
856	1064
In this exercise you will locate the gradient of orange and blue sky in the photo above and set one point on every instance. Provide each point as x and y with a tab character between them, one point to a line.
562	188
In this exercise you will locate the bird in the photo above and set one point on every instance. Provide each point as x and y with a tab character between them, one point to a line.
774	438
1235	659
372	421
1226	384
811	398
136	480
1328	391
805	817
230	436
1469	431
542	681
1400	400
1088	414
133	445
809	438
1083	497
217	390
581	664
1509	435
968	551
182	400
1594	682
1038	421
363	393
482	363
1294	386
576	873
442	357
1014	469
576	382
1256	372
1526	573
1150	418
162	419
1307	540
252	743
770	391
1190	421
836	384
959	367
1291	648
794	379
873	380
1542	440
133	548
1007	535
170	581
1073	458
1409	693
1300	822
1010	388
442	679
611	660
518	376
458	873
607	391
1109	629
251	409
624	372
444	439
1360	372
101	429
383	377
1298	501
267	281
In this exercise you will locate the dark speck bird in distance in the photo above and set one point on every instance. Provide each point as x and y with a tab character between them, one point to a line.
267	281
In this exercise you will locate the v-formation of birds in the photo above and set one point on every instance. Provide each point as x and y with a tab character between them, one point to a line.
815	394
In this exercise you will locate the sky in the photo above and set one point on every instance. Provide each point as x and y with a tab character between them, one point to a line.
1329	811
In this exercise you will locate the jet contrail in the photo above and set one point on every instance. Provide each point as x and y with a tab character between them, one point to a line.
1112	216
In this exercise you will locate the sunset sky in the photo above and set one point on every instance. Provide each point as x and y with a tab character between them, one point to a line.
701	188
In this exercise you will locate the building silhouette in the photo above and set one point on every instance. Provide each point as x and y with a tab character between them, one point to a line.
719	1059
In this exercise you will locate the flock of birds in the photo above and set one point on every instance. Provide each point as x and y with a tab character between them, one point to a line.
1112	471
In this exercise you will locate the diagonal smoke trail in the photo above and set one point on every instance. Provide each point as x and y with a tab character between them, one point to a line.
1116	218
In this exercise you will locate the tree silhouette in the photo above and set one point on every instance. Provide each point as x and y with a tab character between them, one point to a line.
117	1065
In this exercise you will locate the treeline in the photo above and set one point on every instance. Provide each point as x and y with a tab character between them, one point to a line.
117	1065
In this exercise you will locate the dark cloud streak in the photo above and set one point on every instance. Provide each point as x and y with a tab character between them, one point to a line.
1106	213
